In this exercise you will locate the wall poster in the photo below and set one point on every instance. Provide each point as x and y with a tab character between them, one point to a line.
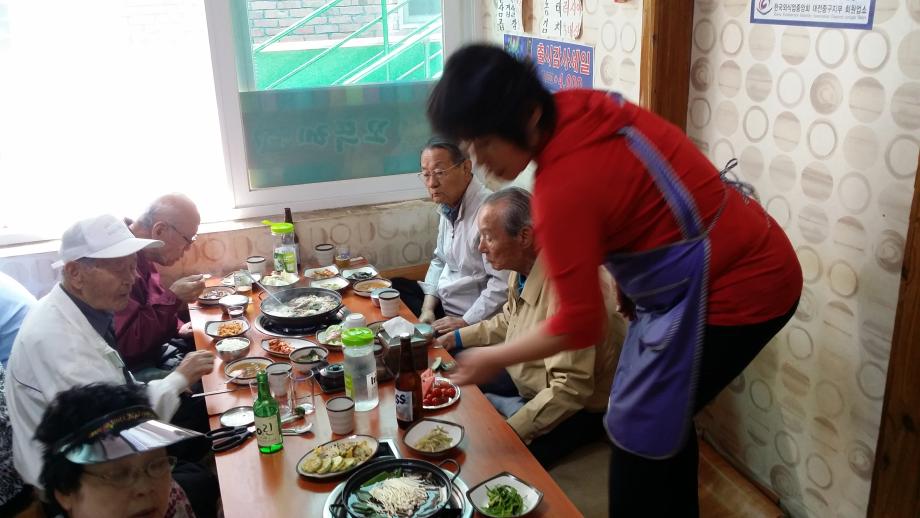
843	14
508	16
560	65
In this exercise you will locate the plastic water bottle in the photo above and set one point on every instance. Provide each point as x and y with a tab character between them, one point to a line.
360	368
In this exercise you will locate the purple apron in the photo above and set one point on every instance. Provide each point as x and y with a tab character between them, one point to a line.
652	398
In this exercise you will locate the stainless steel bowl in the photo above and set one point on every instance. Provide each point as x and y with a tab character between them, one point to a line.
234	300
236	354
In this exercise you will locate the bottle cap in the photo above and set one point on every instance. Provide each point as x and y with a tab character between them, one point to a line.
357	336
282	228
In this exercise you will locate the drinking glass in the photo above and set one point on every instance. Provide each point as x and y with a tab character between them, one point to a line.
303	391
343	257
279	382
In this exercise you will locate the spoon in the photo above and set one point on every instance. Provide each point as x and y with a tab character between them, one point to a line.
259	284
300	430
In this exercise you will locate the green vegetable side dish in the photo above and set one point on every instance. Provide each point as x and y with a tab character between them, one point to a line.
504	501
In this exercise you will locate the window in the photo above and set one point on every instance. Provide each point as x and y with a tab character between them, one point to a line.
326	106
105	104
102	105
421	10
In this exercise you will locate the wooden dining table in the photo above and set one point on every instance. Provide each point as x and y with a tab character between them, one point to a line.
254	484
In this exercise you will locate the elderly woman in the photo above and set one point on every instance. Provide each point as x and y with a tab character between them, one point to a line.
105	454
706	275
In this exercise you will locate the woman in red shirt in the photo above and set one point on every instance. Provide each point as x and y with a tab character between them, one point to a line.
705	275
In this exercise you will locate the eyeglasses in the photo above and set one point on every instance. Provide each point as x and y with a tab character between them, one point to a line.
437	174
126	478
188	240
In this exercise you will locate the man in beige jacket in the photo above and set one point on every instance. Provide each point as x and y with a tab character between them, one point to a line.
556	404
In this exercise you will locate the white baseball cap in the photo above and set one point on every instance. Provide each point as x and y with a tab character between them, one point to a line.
101	237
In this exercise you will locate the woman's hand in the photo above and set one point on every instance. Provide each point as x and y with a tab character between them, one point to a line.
481	364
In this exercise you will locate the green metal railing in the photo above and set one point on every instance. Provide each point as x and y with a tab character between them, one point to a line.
382	59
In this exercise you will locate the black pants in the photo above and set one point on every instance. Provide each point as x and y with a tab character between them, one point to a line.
573	433
413	296
669	487
576	431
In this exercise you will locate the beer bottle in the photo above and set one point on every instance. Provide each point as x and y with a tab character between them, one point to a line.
267	417
408	386
288	218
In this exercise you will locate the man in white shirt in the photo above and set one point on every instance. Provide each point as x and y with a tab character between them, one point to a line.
68	338
461	287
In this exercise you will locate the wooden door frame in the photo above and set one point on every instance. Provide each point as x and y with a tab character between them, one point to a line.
667	28
895	488
664	76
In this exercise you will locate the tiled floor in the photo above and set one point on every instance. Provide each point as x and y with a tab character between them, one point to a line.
583	477
724	493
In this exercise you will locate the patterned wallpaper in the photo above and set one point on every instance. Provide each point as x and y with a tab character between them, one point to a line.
825	125
389	236
613	29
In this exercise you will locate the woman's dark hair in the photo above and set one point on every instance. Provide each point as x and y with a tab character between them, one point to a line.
437	142
70	410
486	91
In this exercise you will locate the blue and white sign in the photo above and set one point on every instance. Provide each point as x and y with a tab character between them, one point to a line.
843	14
559	65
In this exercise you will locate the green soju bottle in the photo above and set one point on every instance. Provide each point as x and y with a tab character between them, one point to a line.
268	417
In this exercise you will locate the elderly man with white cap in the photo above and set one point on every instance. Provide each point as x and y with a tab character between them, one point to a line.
68	338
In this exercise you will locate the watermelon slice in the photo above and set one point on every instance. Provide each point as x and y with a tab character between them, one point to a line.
427	381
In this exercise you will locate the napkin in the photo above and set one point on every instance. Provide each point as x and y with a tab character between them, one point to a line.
397	326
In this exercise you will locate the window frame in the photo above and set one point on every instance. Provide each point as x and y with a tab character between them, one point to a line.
230	57
409	20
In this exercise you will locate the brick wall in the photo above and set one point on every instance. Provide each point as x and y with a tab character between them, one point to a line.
269	17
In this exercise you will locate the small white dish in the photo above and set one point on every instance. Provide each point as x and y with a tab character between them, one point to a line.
236	299
293	343
479	497
443	382
324	337
360	274
304	359
237	416
364	288
279	280
331	450
244	370
424	426
211	295
332	283
213	328
323	272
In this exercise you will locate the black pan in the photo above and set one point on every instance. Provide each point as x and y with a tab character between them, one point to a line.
285	295
353	494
